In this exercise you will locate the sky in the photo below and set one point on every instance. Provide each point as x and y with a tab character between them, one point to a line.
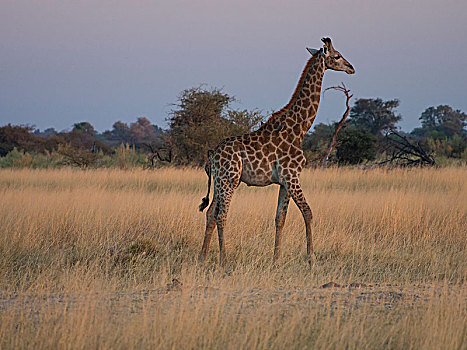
67	61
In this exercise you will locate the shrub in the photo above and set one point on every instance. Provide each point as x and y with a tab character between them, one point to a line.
356	146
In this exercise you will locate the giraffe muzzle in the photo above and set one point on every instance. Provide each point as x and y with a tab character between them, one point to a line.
350	69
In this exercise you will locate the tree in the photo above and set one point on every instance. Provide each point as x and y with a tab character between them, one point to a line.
20	137
355	146
142	131
403	151
316	143
201	118
441	122
84	136
243	121
195	121
138	134
120	134
454	147
321	134
375	115
342	122
85	128
47	133
79	157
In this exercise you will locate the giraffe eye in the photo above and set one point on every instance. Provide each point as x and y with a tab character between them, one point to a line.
337	57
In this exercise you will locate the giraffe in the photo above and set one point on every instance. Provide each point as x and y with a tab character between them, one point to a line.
270	155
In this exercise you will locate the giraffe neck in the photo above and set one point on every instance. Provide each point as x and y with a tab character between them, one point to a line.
297	117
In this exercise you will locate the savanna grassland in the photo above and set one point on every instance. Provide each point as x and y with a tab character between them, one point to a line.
88	260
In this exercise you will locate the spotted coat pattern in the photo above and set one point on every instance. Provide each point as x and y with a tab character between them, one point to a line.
270	155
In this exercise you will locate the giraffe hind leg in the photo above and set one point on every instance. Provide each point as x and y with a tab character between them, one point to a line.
221	216
226	180
210	225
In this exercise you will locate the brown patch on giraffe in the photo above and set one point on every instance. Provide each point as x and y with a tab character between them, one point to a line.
275	139
297	129
255	144
284	145
268	148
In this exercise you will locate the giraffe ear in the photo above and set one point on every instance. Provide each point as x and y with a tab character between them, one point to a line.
312	51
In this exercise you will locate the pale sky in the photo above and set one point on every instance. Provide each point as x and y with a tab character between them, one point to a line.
67	61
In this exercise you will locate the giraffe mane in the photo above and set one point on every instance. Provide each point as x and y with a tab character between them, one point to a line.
298	88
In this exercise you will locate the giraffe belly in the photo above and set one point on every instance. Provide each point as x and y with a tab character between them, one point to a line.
256	176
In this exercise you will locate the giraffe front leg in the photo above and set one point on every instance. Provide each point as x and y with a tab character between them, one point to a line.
295	190
281	213
210	225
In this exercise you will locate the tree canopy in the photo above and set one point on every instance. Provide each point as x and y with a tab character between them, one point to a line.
375	115
355	146
201	118
442	122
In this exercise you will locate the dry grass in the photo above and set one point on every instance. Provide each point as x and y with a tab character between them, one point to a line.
87	260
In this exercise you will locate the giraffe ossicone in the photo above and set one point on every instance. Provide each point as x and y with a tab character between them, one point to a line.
271	155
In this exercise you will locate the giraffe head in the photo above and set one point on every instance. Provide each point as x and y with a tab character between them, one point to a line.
332	58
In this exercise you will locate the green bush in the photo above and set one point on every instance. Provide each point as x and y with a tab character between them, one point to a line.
356	146
126	157
21	159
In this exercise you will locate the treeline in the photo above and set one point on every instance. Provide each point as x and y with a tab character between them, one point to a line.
372	134
83	146
202	117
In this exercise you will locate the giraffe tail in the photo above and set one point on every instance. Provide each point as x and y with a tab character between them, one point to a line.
207	168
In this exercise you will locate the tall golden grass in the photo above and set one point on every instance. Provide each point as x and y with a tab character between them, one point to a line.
87	260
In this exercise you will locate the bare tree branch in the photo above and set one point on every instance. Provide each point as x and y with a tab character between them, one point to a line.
155	152
342	88
406	153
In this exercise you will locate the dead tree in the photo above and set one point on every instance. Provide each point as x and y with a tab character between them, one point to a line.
163	154
341	123
403	152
